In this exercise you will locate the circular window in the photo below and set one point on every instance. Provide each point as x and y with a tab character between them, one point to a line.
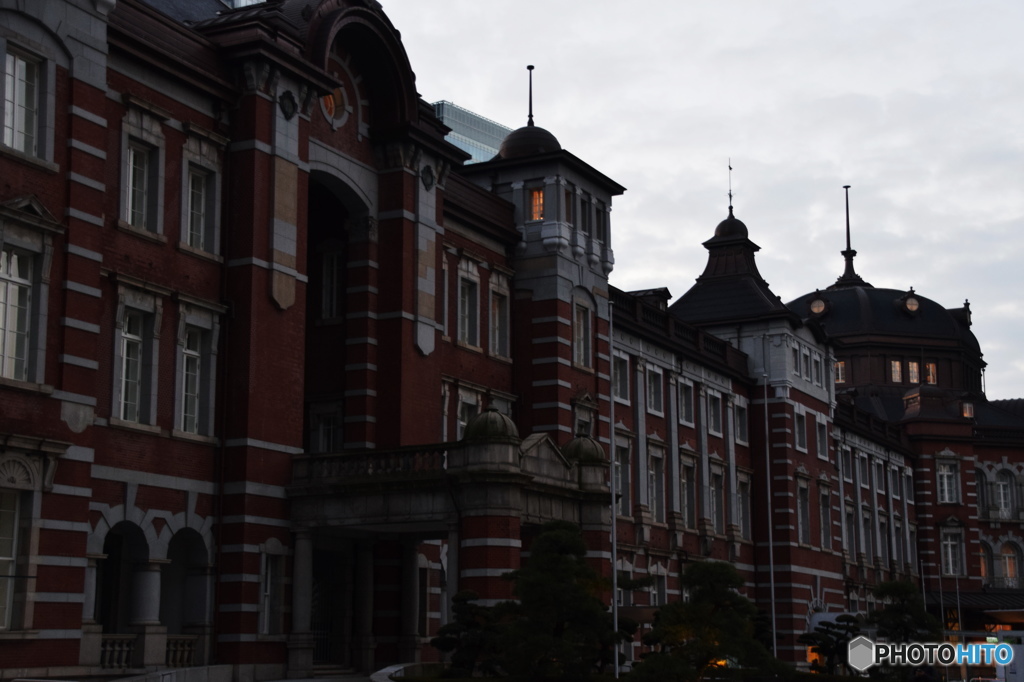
818	306
912	304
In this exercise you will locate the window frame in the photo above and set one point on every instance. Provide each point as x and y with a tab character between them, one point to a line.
467	397
896	371
688	491
8	585
142	132
624	477
468	311
25	39
800	431
951	551
149	308
499	339
716	500
202	157
535	203
931	373
202	323
620	377
687	402
741	418
821	438
655	390
656	483
913	372
716	415
825	517
947	488
803	516
582	335
840	372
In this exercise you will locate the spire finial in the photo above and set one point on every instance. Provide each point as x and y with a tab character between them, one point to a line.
730	185
850	276
529	120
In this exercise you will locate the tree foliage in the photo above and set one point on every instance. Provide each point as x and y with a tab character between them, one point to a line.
831	640
714	628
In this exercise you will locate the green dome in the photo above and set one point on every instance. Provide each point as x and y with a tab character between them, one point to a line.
491	426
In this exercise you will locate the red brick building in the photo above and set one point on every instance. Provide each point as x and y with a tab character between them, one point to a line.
279	375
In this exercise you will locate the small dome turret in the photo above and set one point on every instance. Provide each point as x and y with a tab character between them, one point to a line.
529	140
491	426
731	228
584	449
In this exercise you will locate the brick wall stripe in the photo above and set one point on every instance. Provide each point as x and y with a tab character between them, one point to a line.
74	398
263	445
484	572
80	325
77	361
88	116
88	149
59	634
84	217
260	263
491	542
258	520
77	453
88	182
59	597
258	489
83	289
108	473
71	490
84	253
65	561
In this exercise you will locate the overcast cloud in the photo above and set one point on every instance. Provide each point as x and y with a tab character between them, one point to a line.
918	104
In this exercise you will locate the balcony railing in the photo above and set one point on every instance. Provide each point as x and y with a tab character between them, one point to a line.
181	651
116	651
1003	583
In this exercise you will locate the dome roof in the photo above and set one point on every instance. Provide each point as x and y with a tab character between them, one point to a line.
732	228
584	449
529	140
491	426
864	310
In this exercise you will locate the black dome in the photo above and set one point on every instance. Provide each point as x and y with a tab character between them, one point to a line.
731	228
860	310
529	140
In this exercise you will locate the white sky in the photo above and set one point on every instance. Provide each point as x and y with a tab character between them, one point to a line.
917	104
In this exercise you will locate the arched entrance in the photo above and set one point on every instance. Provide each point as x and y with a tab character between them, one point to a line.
185	599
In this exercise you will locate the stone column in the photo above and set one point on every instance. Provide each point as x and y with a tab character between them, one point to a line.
144	615
451	572
365	644
300	640
92	631
348	589
408	646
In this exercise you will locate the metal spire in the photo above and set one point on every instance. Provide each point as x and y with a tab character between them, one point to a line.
850	277
529	120
730	185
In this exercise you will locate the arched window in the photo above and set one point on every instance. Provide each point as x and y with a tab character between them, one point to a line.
1009	565
981	485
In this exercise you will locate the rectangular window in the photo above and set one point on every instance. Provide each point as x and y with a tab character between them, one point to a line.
796	361
879	475
743	499
883	540
656	482
469	307
967	409
825	518
601	223
714	414
8	554
271	594
869	539
741	423
620	379
581	336
913	372
718	502
686	402
570	200
585	214
537	203
659	590
807	366
15	289
848	465
325	428
931	373
951	561
895	481
800	431
865	471
817	370
21	103
499	331
469	407
333	290
896	371
945	474
689	492
191	393
822	440
841	372
655	391
200	210
803	501
140	190
623	478
897	537
851	533
131	365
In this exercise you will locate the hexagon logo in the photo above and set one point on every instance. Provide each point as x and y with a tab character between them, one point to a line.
861	653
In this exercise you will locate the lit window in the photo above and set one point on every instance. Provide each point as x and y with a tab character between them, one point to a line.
655	391
15	290
8	554
800	429
469	306
931	373
913	372
1008	564
714	413
841	372
620	378
21	103
581	336
947	484
537	203
896	371
686	402
967	410
499	336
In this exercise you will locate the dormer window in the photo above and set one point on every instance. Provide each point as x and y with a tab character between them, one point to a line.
967	409
912	304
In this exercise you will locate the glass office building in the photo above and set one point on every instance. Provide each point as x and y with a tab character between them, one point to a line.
472	133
